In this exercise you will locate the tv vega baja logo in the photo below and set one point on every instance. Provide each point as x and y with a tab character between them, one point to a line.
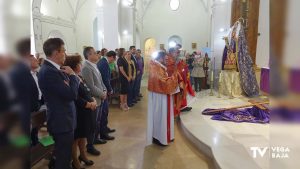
274	152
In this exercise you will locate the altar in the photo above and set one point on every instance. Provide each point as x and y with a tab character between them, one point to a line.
229	81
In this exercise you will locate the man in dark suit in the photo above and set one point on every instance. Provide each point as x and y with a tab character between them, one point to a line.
25	89
24	85
135	91
103	66
59	86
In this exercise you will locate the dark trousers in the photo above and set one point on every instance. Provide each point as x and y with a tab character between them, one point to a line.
104	116
63	149
130	93
198	83
96	116
34	136
138	87
191	77
135	88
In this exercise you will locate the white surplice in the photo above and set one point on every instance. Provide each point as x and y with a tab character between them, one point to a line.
160	118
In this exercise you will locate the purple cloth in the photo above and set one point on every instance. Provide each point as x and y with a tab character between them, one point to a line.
285	115
250	115
265	80
140	62
294	80
247	75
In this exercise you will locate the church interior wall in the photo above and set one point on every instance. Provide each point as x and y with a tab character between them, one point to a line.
67	32
263	43
188	22
84	25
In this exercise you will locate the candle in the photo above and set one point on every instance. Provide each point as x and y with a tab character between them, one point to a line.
212	76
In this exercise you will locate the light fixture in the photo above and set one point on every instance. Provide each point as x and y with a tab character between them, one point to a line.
154	55
125	32
221	29
223	0
172	44
174	4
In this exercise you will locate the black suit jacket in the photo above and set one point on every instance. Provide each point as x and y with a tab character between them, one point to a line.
59	98
104	69
26	93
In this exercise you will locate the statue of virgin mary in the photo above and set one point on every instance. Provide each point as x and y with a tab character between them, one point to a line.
236	56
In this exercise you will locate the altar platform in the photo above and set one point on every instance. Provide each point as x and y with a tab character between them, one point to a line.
228	143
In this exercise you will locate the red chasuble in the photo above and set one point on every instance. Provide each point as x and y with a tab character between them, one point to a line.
180	99
159	81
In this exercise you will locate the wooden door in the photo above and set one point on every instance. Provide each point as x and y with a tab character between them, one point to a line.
249	10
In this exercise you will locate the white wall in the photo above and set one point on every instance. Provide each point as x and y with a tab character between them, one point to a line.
53	16
221	16
291	58
84	25
191	22
68	34
57	9
72	18
126	23
263	41
111	23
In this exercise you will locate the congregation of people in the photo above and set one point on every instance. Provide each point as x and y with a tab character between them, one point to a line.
76	92
198	67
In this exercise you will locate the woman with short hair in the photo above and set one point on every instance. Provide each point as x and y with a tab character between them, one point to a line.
85	105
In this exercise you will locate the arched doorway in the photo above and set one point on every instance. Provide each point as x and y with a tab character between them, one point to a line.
58	34
150	47
173	40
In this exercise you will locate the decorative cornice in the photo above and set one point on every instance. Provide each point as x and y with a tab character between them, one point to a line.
53	20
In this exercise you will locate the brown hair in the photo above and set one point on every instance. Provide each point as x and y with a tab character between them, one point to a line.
73	61
23	47
121	52
51	45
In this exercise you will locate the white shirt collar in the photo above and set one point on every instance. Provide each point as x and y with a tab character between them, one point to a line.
33	72
53	63
93	64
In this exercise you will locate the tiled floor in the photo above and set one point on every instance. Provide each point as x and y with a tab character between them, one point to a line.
128	150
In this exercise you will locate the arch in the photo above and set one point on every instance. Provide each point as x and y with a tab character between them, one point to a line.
173	40
57	34
149	47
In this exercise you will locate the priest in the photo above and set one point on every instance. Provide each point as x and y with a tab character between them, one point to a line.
161	87
174	63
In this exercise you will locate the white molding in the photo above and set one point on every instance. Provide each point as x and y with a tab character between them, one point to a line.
53	20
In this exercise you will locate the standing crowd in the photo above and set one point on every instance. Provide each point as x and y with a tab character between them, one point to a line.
76	92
